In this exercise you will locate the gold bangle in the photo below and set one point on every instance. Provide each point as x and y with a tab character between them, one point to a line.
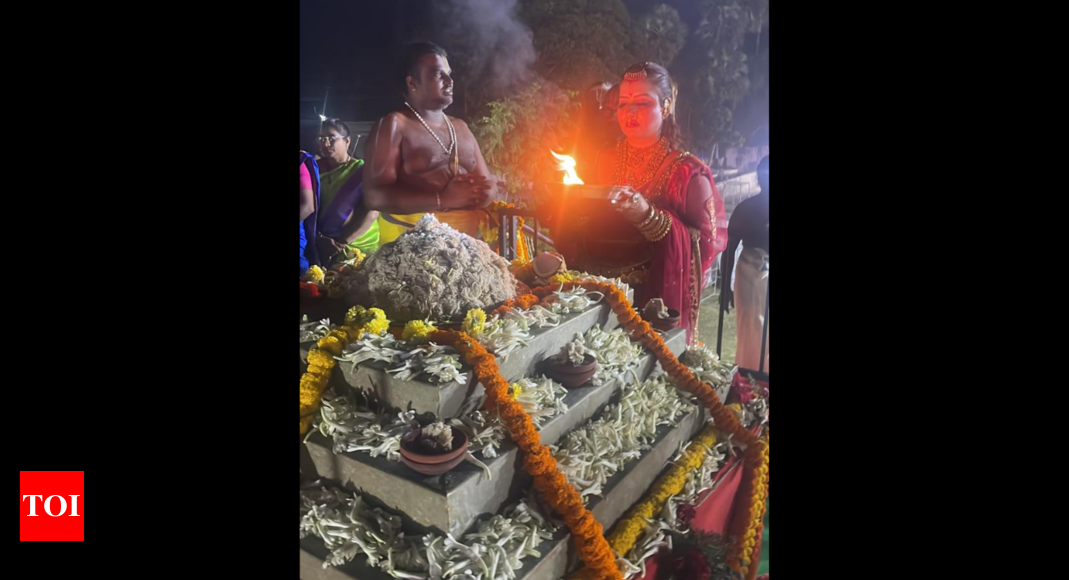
654	225
664	225
646	221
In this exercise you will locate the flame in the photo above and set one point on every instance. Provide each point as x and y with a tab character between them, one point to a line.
567	165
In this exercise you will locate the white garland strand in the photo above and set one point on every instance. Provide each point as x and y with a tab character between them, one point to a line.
354	427
315	330
589	455
615	352
495	550
406	361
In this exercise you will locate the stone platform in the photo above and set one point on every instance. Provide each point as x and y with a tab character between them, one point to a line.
453	501
558	554
454	399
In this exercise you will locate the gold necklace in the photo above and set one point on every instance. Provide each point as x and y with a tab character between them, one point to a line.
453	148
448	123
636	167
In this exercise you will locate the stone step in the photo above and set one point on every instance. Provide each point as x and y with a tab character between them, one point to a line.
452	502
558	554
455	399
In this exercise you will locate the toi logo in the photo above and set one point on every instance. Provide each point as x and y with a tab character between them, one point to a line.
33	505
57	494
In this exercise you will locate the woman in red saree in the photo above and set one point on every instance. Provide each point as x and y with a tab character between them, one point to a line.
664	231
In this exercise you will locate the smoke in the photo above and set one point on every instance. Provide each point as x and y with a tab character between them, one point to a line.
487	42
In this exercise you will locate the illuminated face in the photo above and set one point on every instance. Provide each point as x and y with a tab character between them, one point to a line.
435	85
639	112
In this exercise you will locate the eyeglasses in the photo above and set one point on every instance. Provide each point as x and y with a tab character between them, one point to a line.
330	139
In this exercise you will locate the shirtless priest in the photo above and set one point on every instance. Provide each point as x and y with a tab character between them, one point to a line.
420	160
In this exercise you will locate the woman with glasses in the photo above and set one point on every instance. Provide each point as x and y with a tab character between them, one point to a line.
344	222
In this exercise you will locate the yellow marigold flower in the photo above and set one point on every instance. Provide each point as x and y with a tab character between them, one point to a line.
358	256
566	276
356	315
314	274
518	262
474	321
321	373
517	390
306	424
377	326
377	313
320	358
314	381
417	330
330	344
309	394
340	334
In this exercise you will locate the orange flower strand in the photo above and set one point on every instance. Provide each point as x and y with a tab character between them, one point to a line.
748	517
561	495
523	301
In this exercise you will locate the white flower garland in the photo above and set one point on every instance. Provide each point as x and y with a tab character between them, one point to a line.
589	455
315	330
496	549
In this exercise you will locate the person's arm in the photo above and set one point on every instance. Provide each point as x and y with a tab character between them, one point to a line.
308	202
383	193
699	190
488	190
358	223
735	230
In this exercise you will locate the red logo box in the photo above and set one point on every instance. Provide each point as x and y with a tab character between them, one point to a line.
43	527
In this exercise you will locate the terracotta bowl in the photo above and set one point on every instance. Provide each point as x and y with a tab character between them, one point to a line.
665	324
571	376
460	445
432	468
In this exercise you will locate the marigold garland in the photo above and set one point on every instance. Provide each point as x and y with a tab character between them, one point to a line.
743	529
524	301
314	274
490	233
594	549
417	331
590	542
751	520
629	528
321	359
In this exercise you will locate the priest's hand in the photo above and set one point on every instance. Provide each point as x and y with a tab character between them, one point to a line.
467	191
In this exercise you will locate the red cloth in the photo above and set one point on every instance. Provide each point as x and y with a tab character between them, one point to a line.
593	237
712	514
713	511
671	274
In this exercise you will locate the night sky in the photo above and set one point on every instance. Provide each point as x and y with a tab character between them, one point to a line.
352	45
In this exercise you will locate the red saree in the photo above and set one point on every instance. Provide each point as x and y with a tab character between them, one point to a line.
598	240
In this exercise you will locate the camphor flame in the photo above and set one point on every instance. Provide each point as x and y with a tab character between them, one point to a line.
567	165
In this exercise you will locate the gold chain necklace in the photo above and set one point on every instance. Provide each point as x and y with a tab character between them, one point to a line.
448	123
453	148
